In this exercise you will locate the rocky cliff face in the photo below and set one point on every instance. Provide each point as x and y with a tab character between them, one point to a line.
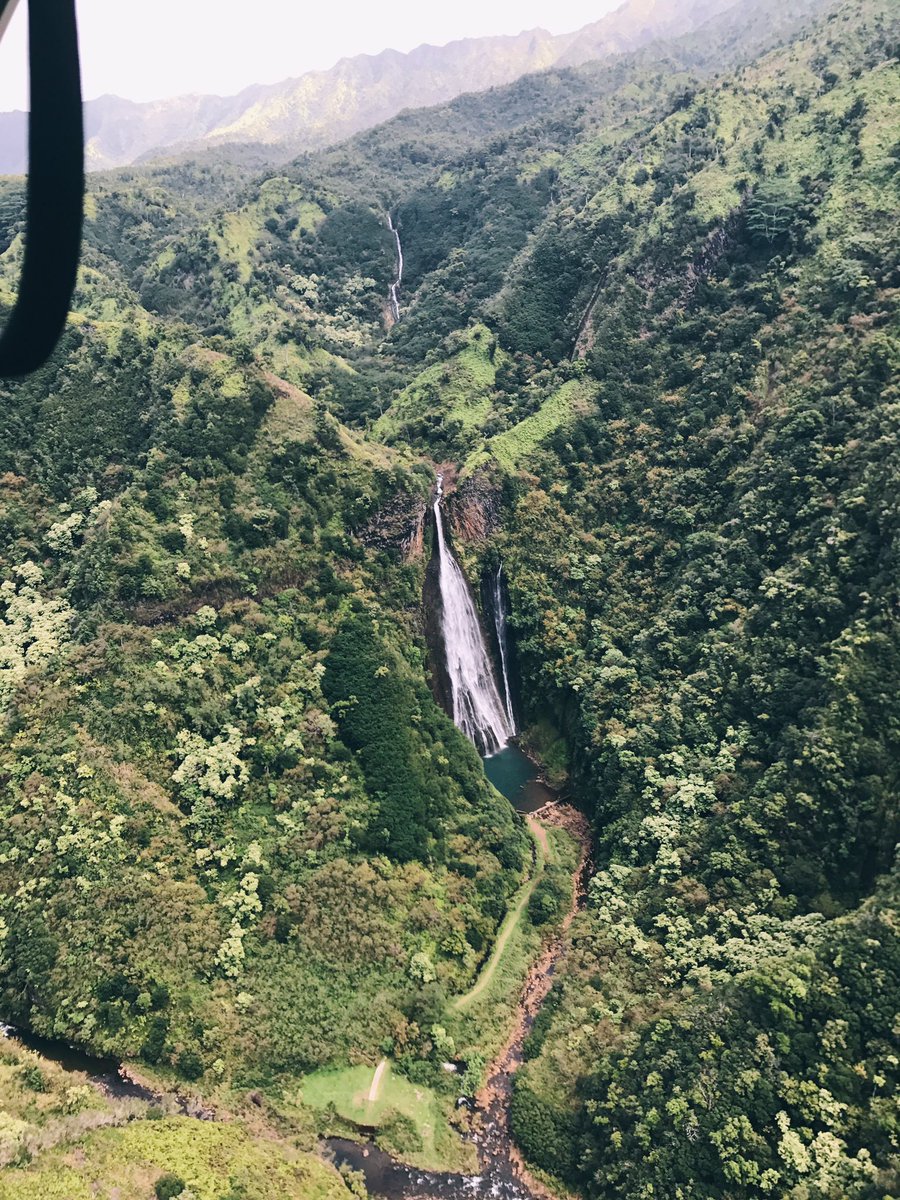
398	527
474	509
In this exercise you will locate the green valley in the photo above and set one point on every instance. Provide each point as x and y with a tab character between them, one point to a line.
649	337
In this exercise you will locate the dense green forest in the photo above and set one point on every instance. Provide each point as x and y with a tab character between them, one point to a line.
649	316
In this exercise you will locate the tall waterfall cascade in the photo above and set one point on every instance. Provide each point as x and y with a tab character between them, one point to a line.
477	708
395	286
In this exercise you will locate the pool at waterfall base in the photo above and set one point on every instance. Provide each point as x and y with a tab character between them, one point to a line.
517	777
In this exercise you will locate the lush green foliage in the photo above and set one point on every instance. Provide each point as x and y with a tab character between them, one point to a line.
702	586
178	571
653	318
130	1150
214	1161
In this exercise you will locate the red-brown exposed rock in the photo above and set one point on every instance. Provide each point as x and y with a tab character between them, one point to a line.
474	508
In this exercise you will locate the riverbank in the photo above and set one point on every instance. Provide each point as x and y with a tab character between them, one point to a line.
502	1173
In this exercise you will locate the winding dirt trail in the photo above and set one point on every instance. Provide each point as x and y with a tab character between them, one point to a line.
514	916
376	1081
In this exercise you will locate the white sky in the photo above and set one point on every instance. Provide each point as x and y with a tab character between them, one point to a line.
158	48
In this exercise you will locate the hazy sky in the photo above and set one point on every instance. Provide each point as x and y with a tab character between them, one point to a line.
145	51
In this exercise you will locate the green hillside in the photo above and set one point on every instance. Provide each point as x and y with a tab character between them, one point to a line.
649	325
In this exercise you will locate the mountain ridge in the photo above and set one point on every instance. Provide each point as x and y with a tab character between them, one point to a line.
319	108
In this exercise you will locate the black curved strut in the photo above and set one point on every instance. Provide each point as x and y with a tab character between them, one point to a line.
55	193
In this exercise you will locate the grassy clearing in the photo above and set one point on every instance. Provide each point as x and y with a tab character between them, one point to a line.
350	1088
425	1139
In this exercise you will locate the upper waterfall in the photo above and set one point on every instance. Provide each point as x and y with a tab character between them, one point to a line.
395	286
477	708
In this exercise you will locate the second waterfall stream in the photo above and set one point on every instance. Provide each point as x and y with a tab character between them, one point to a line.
477	707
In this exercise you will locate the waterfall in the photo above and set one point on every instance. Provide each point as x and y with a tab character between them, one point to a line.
503	644
395	286
477	708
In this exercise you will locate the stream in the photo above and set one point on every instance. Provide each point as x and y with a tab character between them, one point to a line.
105	1073
502	1175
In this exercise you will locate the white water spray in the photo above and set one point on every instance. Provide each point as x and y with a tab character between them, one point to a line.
395	286
477	708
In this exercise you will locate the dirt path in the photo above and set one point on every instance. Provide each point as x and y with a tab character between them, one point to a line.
376	1080
497	1147
540	979
502	1171
513	917
541	834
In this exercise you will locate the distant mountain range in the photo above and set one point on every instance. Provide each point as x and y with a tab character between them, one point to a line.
322	107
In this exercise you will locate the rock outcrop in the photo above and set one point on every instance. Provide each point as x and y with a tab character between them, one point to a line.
398	527
474	508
